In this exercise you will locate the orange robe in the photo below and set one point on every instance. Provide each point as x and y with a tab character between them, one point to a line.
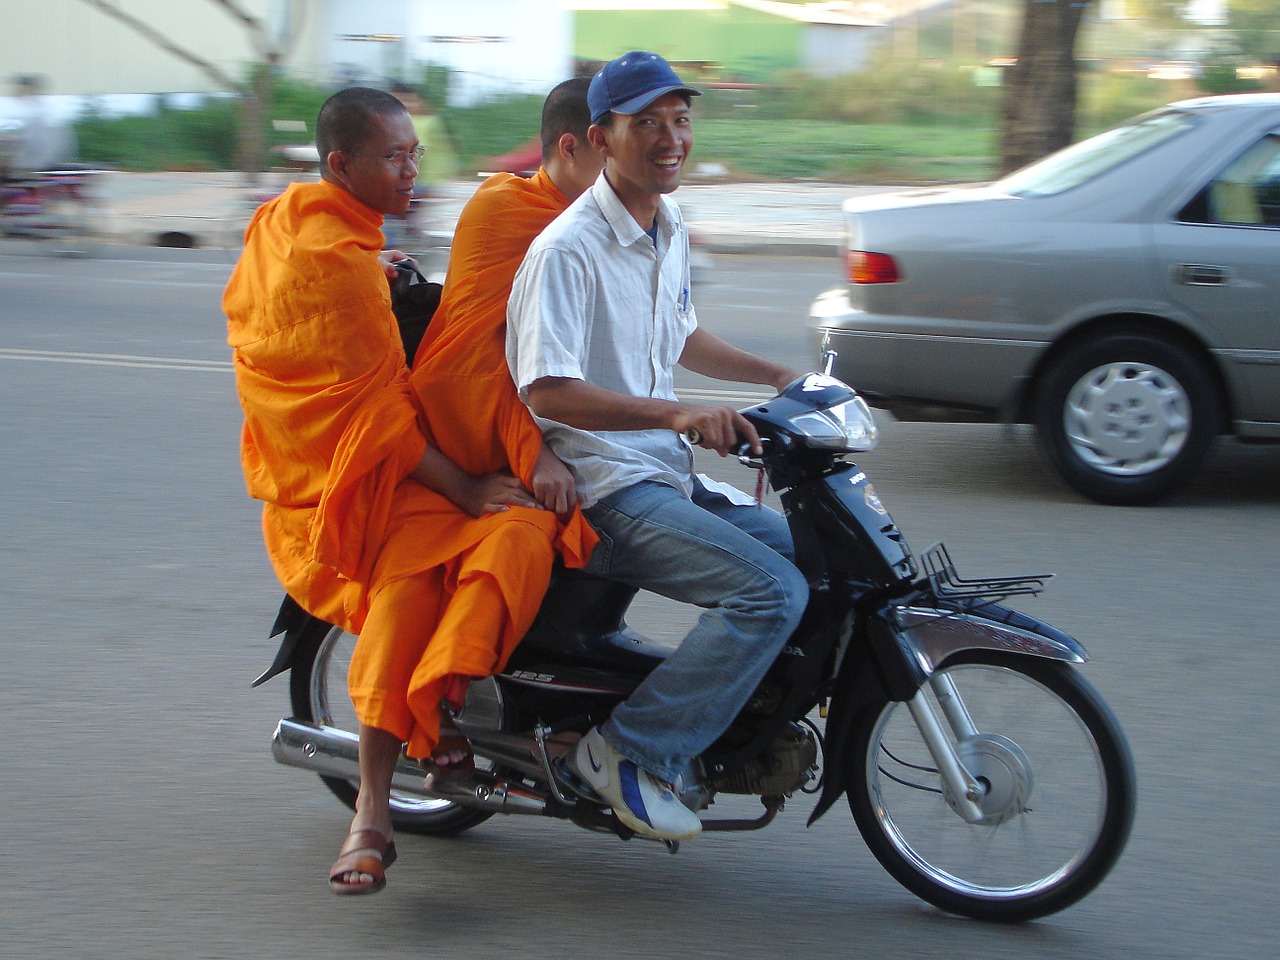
332	431
473	412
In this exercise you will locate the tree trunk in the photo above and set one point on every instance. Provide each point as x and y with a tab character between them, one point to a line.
1038	113
255	106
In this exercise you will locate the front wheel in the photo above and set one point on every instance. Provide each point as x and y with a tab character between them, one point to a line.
318	691
1058	781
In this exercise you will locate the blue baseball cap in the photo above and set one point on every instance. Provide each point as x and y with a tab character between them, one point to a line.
631	82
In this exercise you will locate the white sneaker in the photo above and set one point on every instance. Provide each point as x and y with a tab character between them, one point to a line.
639	799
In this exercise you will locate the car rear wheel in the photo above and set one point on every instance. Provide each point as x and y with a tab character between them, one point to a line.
1127	419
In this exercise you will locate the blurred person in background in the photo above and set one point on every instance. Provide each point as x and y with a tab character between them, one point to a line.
42	140
440	163
367	524
599	315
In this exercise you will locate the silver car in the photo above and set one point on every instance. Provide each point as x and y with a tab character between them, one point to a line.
1123	295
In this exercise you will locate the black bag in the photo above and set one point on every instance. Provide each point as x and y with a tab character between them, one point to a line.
414	304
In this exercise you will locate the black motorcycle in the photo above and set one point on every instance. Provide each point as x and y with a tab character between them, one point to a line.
985	774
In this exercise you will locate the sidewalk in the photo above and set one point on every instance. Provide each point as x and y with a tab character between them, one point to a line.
211	210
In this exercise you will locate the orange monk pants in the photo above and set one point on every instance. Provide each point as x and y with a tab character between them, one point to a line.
463	618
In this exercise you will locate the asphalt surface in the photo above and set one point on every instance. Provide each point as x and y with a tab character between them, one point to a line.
142	817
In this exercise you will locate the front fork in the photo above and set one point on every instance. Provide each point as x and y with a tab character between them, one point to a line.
965	789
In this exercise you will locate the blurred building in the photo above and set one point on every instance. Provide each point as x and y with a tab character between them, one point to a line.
490	46
741	39
82	52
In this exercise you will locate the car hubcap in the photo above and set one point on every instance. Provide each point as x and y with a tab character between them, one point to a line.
1127	418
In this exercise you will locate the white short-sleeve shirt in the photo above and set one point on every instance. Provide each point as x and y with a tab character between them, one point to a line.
596	299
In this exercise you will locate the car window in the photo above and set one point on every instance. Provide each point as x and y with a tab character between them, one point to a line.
1246	192
1090	158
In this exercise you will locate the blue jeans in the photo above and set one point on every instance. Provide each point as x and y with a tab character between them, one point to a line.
732	560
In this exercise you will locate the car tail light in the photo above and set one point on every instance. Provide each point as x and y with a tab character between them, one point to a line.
867	267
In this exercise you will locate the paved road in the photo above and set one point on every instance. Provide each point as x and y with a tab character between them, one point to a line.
143	818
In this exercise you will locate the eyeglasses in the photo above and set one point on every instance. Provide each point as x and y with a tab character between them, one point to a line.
402	157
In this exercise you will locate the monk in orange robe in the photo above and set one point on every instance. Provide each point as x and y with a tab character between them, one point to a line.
473	412
367	524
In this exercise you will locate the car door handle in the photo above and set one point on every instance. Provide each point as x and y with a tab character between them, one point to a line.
1202	274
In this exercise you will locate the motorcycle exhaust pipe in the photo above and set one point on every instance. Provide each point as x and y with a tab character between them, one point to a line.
333	752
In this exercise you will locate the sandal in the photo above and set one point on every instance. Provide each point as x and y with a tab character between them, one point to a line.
451	741
365	851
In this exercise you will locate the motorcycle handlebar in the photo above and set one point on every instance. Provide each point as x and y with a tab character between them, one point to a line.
741	449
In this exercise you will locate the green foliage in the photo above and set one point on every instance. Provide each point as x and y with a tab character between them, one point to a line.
432	84
829	150
1220	77
890	123
888	92
1106	98
492	127
204	138
170	139
1255	27
295	102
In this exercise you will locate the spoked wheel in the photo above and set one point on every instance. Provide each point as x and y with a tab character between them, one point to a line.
318	689
1058	781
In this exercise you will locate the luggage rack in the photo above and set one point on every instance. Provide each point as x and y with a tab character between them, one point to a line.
949	585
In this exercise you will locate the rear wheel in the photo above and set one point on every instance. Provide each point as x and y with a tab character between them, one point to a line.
1058	779
318	690
1127	419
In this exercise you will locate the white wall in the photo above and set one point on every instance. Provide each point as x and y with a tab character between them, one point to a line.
830	50
84	53
367	41
495	45
492	46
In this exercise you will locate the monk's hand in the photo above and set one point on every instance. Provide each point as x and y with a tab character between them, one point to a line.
721	429
553	485
496	493
389	259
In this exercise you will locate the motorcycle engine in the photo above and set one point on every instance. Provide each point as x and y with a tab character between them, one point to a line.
790	762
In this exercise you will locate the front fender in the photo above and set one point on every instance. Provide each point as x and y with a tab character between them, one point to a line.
931	632
898	646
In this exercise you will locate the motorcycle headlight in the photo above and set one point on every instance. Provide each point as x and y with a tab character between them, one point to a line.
845	426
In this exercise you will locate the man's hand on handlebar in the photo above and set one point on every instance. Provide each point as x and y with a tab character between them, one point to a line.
721	429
